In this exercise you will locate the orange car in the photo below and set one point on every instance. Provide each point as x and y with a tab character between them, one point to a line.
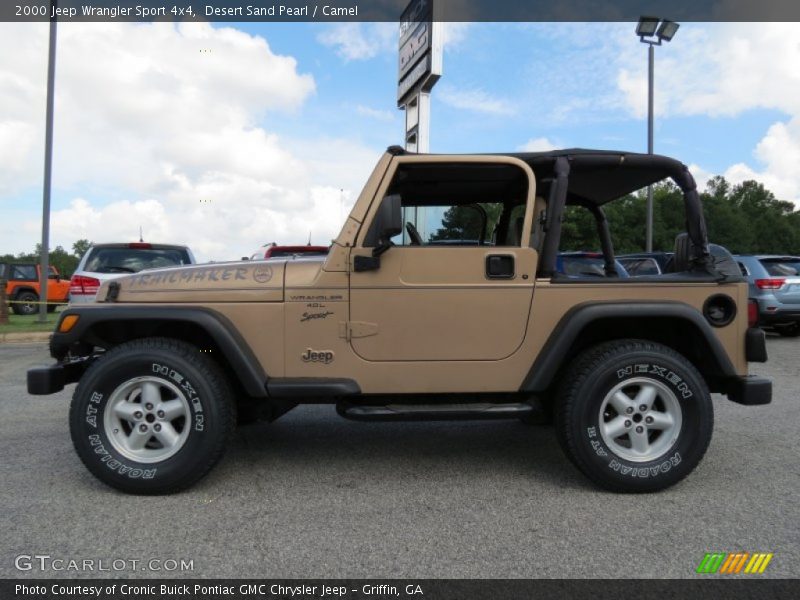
22	287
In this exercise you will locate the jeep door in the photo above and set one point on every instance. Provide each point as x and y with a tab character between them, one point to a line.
457	283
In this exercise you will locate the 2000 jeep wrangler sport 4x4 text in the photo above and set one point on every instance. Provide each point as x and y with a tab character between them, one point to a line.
439	299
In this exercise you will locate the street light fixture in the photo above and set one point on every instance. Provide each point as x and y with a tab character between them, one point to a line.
647	26
652	31
667	30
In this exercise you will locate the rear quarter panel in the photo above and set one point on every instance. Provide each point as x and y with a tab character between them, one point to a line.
553	300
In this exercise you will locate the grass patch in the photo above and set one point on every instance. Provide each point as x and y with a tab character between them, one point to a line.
28	323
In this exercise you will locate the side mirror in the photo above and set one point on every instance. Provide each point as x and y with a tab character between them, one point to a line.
388	223
389	220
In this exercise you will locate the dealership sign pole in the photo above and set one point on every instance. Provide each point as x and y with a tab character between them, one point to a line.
48	169
419	68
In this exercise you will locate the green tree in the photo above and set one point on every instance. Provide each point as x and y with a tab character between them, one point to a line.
65	262
467	222
80	247
745	218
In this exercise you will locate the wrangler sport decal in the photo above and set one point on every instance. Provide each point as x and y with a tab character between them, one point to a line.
312	316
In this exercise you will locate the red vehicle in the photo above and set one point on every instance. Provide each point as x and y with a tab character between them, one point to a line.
274	251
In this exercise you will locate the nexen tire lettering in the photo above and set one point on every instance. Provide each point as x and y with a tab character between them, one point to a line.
662	372
117	466
194	399
646	471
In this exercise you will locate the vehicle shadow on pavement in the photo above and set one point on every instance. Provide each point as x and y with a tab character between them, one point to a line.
315	438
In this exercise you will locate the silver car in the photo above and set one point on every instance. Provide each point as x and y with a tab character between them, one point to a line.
775	285
109	261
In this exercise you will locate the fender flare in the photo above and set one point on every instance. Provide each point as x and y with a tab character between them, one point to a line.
230	342
555	350
23	288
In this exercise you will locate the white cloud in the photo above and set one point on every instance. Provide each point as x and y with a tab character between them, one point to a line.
151	131
719	70
363	41
475	99
779	152
724	70
540	144
701	176
360	41
454	34
375	113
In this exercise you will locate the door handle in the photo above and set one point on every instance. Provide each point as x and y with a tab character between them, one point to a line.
500	266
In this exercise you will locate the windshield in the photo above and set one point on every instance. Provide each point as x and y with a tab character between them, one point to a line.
133	260
285	253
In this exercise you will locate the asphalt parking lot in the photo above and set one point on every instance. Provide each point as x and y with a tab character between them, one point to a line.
313	495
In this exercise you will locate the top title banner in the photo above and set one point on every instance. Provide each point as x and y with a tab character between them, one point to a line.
390	10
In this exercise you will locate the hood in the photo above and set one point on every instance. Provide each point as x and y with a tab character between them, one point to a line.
213	282
303	272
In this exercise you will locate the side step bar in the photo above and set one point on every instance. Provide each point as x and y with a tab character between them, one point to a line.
434	412
310	388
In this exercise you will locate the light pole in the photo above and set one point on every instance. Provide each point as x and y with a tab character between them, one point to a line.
652	31
44	259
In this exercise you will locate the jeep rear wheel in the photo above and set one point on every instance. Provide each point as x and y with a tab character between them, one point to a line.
152	416
25	303
634	416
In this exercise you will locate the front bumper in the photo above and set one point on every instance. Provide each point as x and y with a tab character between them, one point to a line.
52	379
750	390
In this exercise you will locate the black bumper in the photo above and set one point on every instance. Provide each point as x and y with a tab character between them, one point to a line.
755	345
750	390
52	379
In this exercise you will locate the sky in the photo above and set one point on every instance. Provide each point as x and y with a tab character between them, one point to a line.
226	137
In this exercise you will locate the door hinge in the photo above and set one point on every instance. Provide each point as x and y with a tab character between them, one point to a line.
356	329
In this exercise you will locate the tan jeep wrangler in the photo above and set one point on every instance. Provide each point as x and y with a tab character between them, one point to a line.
439	299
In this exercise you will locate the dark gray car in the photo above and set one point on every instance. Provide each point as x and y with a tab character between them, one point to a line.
775	285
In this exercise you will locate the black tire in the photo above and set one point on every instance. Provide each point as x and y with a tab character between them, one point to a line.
178	371
629	367
25	303
791	330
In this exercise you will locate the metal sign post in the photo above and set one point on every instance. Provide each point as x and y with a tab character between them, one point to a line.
419	68
44	258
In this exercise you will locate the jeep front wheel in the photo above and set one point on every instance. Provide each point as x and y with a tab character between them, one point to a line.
152	416
634	416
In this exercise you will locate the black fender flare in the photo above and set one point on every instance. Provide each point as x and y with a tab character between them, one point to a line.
24	288
549	361
232	345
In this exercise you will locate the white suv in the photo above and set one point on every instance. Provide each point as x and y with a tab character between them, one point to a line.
109	261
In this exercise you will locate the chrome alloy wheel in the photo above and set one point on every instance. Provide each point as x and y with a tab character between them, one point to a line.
640	419
147	419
